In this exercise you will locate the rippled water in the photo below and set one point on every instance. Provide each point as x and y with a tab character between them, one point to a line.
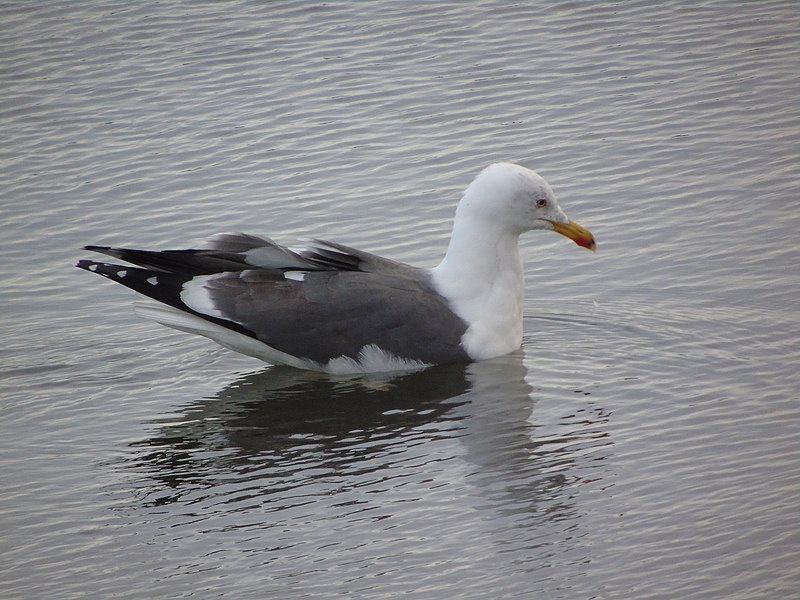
642	444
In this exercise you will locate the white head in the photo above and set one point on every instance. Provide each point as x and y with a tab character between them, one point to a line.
518	200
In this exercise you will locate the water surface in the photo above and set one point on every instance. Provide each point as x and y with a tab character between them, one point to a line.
641	444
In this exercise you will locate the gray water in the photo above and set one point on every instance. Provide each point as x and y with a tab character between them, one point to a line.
642	444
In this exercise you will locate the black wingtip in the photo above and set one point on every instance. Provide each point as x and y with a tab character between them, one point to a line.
84	264
101	268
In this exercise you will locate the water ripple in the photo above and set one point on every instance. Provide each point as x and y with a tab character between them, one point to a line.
642	444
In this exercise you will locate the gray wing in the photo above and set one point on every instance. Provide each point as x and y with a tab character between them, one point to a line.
255	251
241	251
331	255
322	255
330	314
319	303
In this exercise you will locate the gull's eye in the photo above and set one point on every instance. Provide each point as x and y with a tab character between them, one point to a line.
541	203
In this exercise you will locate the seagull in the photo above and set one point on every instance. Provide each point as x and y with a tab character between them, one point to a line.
332	308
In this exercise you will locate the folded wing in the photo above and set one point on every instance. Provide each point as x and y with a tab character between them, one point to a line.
319	303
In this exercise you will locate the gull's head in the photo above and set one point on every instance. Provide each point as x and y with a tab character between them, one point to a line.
517	200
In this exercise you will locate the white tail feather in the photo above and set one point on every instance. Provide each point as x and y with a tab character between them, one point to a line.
233	340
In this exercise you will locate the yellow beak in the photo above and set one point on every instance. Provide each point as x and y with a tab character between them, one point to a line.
577	233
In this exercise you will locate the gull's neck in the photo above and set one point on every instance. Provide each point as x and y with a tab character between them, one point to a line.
481	277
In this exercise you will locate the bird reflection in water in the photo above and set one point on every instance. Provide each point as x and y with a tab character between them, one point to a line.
281	434
280	418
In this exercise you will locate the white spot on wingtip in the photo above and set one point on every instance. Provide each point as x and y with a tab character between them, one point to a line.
122	274
93	268
152	280
295	275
